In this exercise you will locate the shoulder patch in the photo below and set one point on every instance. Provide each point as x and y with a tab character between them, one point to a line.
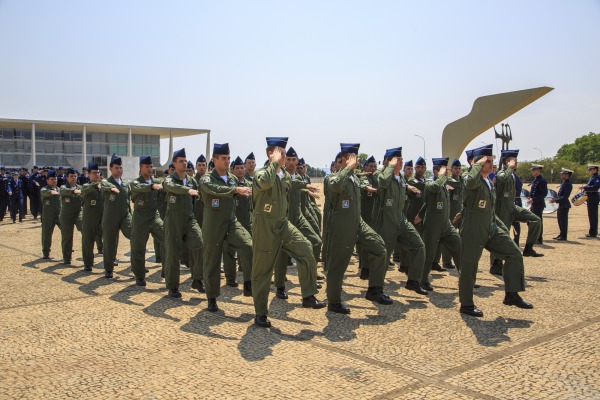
206	179
168	179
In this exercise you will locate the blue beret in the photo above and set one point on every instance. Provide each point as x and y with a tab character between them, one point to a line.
3	167
35	167
440	161
211	164
51	174
409	163
420	161
456	163
509	153
201	158
291	153
370	160
394	152
64	167
84	169
179	153
237	161
332	164
93	167
189	165
171	165
113	160
301	162
486	150
277	141
250	156
349	148
338	155
166	172
145	160
221	148
469	154
71	171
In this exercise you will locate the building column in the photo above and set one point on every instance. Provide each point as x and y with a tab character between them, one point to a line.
32	162
84	149
208	145
129	145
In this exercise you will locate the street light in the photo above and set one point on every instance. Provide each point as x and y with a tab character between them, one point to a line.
541	154
424	157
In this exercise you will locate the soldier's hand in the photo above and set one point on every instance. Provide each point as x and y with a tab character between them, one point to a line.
352	161
413	189
312	188
275	156
243	191
98	186
456	218
114	190
314	196
512	162
37	184
393	161
55	193
418	220
193	192
156	186
370	189
443	170
449	187
77	191
482	161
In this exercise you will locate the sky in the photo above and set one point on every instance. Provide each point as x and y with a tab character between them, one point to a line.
319	72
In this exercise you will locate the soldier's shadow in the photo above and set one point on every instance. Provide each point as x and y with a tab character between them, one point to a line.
258	343
342	328
493	333
124	295
202	322
537	279
34	264
279	309
90	287
52	269
160	307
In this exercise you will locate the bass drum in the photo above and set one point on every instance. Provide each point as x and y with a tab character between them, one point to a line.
550	207
579	199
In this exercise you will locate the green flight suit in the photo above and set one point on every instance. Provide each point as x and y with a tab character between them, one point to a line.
145	221
273	233
70	217
415	202
116	217
51	216
369	212
326	219
456	198
91	221
346	229
181	229
480	229
199	204
243	213
297	219
220	225
310	210
437	227
393	226
159	248
507	211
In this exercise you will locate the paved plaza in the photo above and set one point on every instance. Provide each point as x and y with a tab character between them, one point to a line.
67	333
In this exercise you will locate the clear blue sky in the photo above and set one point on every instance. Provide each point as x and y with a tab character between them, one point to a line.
320	72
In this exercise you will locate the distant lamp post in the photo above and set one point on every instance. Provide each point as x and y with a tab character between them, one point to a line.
541	154
424	156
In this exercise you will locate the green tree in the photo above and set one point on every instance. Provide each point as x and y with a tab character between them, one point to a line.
314	172
586	149
362	157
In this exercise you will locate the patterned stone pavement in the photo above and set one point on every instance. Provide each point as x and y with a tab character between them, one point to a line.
66	333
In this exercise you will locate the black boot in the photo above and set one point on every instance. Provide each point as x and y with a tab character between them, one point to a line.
198	285
427	286
513	299
496	268
376	294
472	311
312	302
528	251
212	305
437	267
415	286
174	293
281	293
232	283
262	321
364	274
248	288
403	268
140	282
339	308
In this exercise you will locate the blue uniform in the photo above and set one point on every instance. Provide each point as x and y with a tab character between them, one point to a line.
4	200
15	191
564	193
539	191
591	190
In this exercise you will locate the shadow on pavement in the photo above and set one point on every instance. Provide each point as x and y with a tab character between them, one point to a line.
492	333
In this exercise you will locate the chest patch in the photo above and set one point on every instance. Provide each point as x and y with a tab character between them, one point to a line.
388	202
506	194
455	197
345	203
67	200
267	208
93	202
140	203
482	203
112	197
440	205
47	202
172	199
215	203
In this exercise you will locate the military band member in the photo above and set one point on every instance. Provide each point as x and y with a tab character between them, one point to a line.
91	217
537	196
563	200
84	177
51	212
35	185
70	213
591	189
481	228
272	233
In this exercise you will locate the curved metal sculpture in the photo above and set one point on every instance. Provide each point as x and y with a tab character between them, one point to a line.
506	137
487	111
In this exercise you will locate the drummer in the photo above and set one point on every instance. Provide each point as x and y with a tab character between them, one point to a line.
564	193
591	189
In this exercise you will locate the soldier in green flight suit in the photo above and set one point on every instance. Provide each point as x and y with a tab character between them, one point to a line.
507	211
435	215
296	218
309	207
117	213
159	248
249	167
91	218
70	213
367	205
481	228
243	213
180	226
455	182
391	223
335	166
220	223
415	202
146	219
347	230
272	233
201	167
50	212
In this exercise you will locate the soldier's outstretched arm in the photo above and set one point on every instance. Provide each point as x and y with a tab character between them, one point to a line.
67	192
502	176
89	188
106	186
471	179
46	193
437	185
139	187
170	186
265	178
208	187
385	177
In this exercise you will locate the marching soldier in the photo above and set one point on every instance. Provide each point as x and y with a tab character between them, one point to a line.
456	197
537	196
146	219
201	168
35	185
437	227
591	189
117	213
327	207
415	202
91	219
481	228
310	209
220	223
51	211
518	202
180	226
250	166
70	213
272	233
564	203
391	223
348	229
367	205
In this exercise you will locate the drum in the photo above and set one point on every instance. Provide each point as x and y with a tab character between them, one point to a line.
550	207
579	199
525	198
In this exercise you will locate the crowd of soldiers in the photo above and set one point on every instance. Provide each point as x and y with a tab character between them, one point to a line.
229	213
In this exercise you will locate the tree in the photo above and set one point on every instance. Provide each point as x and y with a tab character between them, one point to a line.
314	172
586	149
362	157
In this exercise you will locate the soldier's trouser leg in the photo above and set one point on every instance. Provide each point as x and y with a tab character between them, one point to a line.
446	255
431	237
280	269
195	244
140	233
438	254
374	246
563	221
110	239
213	249
173	244
263	261
413	249
592	208
539	212
298	247
470	255
67	228
241	242
34	199
229	262
99	244
513	271
338	258
157	250
404	257
89	234
517	227
48	225
314	239
534	224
